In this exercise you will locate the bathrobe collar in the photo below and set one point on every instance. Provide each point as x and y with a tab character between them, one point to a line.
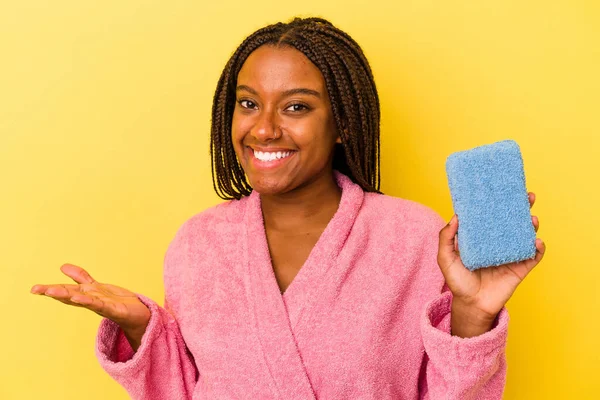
277	316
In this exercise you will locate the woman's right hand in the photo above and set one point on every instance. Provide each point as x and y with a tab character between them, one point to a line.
109	301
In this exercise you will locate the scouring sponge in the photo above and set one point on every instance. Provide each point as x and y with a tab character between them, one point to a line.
489	195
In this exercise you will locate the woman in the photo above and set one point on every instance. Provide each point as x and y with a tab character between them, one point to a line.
308	282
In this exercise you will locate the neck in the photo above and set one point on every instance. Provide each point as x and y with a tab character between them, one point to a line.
310	206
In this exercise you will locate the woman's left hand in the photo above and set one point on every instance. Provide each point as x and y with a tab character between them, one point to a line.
478	296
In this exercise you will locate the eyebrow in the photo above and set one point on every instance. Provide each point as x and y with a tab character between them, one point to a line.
289	92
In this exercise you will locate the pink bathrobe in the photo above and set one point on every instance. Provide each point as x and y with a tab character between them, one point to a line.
367	316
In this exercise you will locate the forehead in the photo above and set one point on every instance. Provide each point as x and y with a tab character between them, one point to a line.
273	69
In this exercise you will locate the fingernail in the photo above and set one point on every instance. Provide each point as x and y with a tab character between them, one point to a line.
453	219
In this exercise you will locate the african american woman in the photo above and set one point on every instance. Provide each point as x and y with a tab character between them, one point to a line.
307	282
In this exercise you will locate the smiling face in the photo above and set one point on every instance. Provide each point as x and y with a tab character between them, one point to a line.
283	130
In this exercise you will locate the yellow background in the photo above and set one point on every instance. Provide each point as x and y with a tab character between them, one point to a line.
104	127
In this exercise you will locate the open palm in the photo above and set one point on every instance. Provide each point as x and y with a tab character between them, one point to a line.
110	301
486	289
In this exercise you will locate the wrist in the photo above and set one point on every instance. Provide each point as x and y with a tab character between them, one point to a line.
134	336
134	333
467	321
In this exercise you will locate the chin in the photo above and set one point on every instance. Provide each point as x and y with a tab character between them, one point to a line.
269	186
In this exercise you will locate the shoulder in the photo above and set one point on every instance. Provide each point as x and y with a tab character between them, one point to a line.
213	231
402	215
201	228
228	212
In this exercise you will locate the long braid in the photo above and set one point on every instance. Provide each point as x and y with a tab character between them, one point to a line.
352	92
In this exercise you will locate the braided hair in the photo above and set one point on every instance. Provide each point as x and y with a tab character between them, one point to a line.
352	92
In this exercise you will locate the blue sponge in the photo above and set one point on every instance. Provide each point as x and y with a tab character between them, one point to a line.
487	185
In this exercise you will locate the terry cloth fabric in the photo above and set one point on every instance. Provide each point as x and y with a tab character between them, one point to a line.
367	316
487	186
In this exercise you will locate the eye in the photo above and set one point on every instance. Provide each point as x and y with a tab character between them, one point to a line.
297	108
246	104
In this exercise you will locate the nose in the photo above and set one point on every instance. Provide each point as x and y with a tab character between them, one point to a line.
266	127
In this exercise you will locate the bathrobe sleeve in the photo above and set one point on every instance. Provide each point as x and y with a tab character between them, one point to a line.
162	367
454	367
461	368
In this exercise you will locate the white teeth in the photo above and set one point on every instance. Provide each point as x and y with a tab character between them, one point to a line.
271	155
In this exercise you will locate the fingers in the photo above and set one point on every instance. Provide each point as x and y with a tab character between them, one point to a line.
531	196
522	268
61	291
37	289
456	243
71	295
541	250
530	264
447	242
76	273
534	219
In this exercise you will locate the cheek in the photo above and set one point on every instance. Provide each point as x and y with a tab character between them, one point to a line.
237	137
240	127
316	133
235	127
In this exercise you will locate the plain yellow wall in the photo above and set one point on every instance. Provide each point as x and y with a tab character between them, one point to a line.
104	124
